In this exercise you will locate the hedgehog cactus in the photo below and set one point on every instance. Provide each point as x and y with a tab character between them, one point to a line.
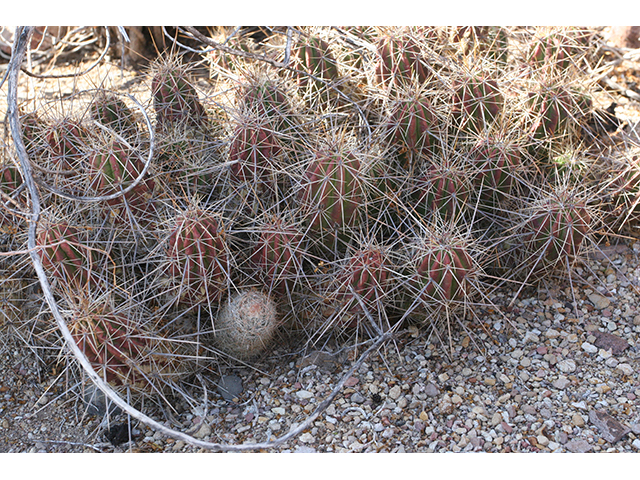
496	163
114	170
112	112
478	103
10	179
365	273
175	100
67	142
266	100
333	193
442	268
253	149
65	257
278	253
555	230
554	52
441	190
33	133
10	182
199	261
413	127
400	62
551	107
112	345
315	58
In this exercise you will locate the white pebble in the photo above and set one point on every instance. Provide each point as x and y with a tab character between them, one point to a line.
307	438
625	368
530	337
611	362
567	366
396	391
589	348
304	394
551	333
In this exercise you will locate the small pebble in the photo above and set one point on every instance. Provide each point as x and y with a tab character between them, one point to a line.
357	398
307	438
589	348
562	383
496	419
304	394
625	368
542	440
599	301
395	392
567	366
431	390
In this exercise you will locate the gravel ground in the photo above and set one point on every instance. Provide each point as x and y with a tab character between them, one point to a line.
547	380
536	377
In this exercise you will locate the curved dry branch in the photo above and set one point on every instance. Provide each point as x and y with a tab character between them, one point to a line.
69	75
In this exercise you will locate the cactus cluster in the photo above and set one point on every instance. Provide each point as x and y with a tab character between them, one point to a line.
380	176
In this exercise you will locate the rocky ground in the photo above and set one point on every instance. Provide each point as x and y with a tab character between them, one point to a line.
543	375
540	378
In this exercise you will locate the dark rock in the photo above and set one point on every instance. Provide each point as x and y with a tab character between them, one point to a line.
608	341
118	434
625	37
230	387
610	429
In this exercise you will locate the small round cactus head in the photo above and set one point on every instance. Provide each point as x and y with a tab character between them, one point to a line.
246	325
